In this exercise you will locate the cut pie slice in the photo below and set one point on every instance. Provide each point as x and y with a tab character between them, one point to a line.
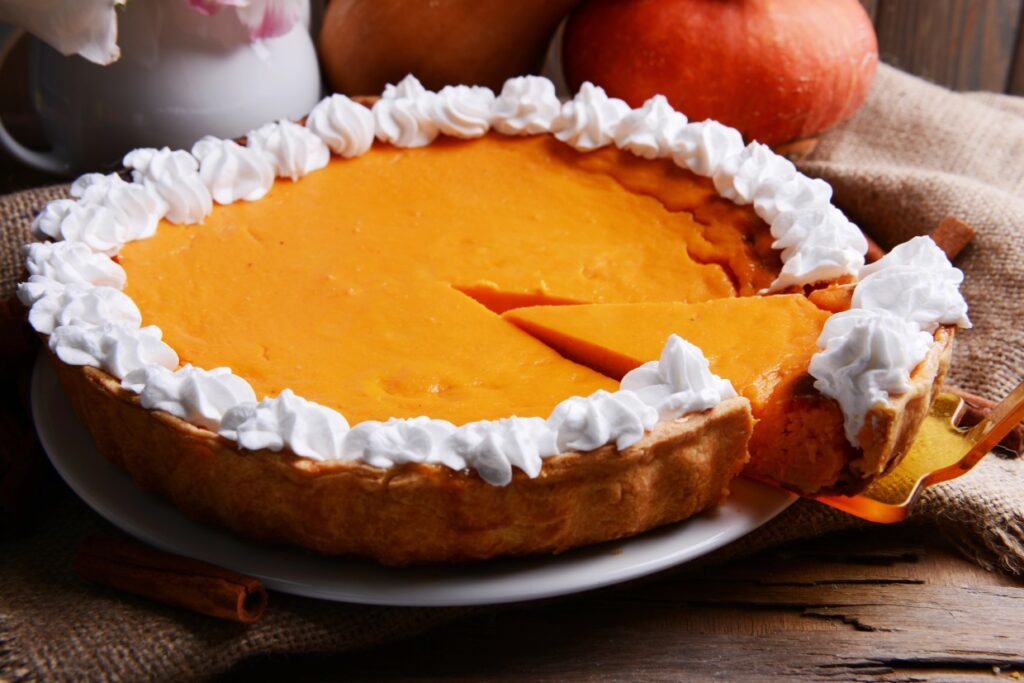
763	345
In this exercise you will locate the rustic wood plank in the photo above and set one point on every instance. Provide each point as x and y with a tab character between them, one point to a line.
886	605
962	44
1015	84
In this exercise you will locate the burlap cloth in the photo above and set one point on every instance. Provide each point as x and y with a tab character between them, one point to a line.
914	154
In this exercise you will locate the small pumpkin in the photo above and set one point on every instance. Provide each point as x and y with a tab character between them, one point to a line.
365	44
778	70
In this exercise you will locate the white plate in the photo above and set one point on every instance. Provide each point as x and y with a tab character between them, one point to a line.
109	491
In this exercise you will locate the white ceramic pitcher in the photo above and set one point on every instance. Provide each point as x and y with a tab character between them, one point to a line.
181	75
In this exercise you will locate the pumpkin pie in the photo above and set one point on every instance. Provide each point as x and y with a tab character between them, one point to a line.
409	346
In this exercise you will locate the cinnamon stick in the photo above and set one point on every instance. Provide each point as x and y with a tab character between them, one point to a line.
171	579
977	408
952	235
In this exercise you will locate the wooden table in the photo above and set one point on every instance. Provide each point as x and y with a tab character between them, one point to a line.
889	604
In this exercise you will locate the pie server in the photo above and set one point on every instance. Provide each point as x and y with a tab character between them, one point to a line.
942	451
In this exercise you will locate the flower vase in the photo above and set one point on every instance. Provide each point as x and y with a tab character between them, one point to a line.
181	75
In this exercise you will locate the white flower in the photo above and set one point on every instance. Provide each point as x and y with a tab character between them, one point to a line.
84	27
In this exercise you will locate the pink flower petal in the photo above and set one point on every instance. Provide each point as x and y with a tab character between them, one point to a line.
270	18
209	7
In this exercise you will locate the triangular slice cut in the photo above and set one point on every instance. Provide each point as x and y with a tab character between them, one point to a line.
762	344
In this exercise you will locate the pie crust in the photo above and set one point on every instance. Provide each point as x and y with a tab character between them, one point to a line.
416	513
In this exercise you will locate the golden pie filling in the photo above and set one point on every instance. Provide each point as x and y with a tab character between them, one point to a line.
375	286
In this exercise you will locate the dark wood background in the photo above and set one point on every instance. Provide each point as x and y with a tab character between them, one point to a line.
961	44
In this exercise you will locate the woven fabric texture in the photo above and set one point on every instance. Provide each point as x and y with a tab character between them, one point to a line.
912	155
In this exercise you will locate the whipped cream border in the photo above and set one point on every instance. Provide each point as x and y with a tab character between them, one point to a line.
76	299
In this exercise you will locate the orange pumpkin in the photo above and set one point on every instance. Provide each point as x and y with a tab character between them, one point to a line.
365	44
778	70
